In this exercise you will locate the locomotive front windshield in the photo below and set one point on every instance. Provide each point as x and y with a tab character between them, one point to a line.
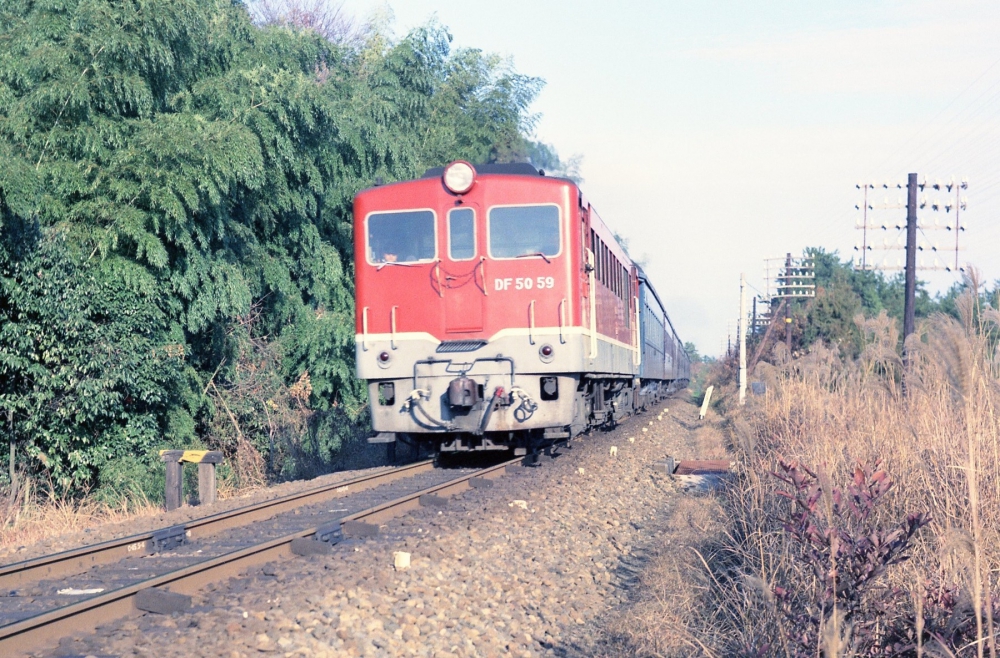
462	234
524	231
401	237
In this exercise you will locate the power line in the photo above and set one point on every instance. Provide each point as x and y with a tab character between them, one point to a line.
835	218
937	116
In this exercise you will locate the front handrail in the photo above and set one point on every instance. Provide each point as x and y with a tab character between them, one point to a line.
531	322
562	320
392	327
593	305
437	275
431	361
486	288
638	337
364	329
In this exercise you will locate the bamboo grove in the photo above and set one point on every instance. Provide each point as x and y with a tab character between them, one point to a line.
175	240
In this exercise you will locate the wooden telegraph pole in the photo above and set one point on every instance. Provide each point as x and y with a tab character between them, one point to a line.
913	186
743	339
910	289
788	307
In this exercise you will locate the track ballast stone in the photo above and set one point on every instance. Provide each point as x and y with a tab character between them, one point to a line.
184	514
488	575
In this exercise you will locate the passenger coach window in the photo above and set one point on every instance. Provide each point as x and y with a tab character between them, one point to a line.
462	234
401	237
524	231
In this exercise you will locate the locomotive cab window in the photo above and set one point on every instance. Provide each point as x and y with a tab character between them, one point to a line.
462	234
517	231
401	237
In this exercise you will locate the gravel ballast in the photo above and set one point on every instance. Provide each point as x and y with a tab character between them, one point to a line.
530	566
163	519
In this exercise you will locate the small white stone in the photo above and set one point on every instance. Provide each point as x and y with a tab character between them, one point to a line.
580	470
645	429
401	560
71	591
523	504
614	450
631	439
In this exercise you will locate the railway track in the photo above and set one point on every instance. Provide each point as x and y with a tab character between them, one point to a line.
44	599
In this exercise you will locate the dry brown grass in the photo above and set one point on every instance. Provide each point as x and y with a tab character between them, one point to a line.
664	611
35	514
659	623
938	441
662	614
31	516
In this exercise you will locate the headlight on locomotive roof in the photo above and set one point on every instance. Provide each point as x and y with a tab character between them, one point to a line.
459	177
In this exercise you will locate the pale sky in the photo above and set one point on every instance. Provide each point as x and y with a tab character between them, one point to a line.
717	134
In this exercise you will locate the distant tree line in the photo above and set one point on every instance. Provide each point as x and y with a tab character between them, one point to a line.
843	293
175	225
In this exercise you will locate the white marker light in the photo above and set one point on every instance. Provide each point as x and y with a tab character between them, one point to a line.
459	177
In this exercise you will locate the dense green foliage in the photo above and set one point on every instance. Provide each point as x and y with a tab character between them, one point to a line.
85	373
175	188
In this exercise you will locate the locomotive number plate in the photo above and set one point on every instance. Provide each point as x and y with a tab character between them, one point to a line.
524	283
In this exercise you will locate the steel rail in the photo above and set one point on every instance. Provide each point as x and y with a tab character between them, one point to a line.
30	634
78	560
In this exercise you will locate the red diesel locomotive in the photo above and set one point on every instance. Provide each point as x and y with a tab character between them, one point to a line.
495	310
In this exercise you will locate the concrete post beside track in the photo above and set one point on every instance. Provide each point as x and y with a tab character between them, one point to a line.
206	461
743	339
175	478
707	401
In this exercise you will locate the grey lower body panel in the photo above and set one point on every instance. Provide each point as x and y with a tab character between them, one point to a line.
513	391
521	406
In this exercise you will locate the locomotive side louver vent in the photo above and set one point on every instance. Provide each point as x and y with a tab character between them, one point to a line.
451	346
